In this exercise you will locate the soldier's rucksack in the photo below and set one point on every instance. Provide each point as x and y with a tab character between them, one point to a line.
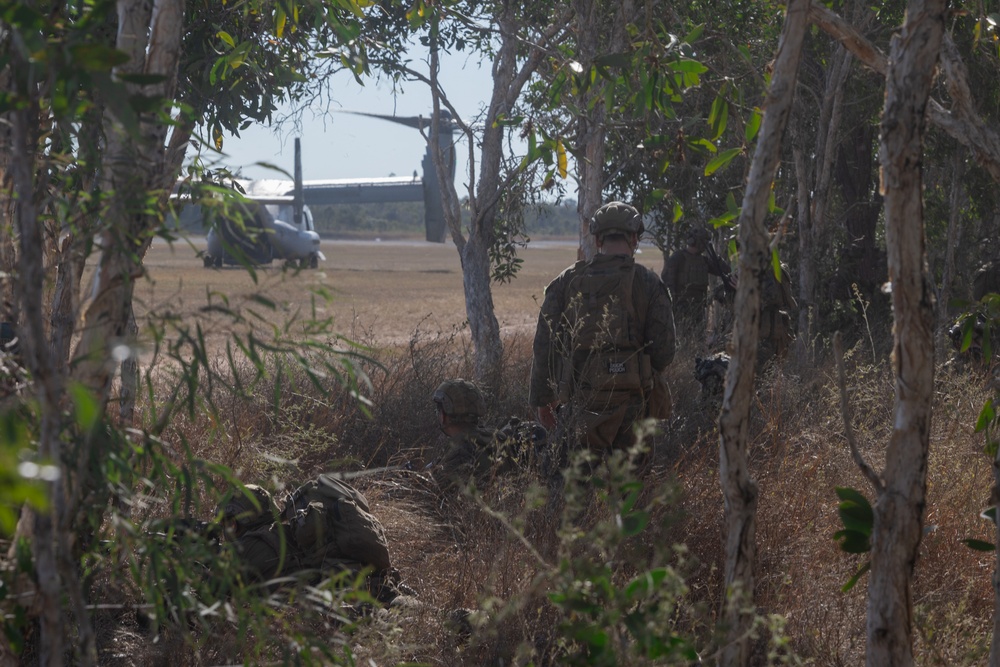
604	338
331	522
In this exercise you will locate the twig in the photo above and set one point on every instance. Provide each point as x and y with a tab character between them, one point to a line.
845	409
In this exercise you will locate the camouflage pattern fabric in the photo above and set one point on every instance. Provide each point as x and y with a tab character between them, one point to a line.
250	510
602	380
260	553
332	526
986	281
711	373
482	454
461	400
777	307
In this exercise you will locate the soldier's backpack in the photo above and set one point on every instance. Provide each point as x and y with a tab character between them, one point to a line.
604	336
332	523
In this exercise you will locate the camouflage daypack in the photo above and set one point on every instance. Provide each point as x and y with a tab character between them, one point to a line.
333	525
604	337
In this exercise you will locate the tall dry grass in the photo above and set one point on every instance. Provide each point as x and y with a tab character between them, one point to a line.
496	555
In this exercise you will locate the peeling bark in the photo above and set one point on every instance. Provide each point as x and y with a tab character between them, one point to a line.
739	489
899	508
961	123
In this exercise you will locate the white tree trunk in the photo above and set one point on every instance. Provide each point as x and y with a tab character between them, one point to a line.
899	508
739	490
509	79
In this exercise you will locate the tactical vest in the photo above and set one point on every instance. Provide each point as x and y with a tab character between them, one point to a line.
603	337
692	279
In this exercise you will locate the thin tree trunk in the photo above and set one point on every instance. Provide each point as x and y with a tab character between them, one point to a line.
961	122
48	391
954	240
739	489
899	509
509	78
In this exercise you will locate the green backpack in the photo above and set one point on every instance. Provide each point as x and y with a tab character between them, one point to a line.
604	337
332	523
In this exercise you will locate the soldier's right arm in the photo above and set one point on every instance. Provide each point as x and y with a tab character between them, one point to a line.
544	360
671	271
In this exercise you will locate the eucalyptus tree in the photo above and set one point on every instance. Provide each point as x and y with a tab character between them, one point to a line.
102	100
516	37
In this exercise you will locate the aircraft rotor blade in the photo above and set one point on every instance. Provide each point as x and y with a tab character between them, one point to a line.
417	122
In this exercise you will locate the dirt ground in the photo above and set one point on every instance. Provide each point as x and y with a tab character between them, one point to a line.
382	292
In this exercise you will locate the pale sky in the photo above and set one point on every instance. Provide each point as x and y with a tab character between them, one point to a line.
343	145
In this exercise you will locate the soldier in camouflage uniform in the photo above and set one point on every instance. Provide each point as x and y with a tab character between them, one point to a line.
474	451
324	527
605	335
685	274
777	308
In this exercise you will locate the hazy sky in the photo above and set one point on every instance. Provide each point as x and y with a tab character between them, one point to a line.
342	145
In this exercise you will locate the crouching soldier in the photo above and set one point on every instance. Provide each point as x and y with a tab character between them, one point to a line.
477	453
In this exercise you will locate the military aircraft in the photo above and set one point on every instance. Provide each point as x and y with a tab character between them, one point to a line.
273	220
273	223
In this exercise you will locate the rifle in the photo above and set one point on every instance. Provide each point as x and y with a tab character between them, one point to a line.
721	268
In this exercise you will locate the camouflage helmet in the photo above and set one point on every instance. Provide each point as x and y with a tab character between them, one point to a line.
698	236
242	510
460	399
616	216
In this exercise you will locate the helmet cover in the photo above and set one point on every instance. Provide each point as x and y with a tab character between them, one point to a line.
616	216
460	399
241	509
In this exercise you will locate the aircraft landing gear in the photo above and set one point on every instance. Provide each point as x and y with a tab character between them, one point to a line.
207	259
313	261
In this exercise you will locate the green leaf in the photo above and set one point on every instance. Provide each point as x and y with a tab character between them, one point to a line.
620	60
776	265
857	576
753	125
718	117
227	38
98	57
721	160
678	212
687	66
986	416
634	523
87	410
694	35
979	545
853	541
731	205
855	511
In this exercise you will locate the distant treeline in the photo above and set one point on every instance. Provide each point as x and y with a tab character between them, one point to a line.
407	219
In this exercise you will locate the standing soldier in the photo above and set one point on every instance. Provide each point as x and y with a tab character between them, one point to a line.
777	310
685	274
605	335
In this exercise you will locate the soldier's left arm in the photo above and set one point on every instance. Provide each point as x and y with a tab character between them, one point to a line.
658	331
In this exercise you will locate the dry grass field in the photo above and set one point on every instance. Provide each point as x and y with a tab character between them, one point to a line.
405	300
381	291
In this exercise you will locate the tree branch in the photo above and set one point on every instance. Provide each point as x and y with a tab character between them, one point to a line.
845	411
